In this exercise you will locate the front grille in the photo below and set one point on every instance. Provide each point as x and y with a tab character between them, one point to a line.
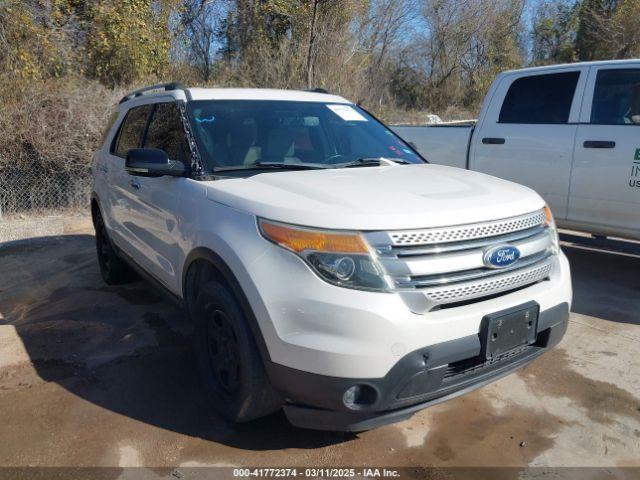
446	265
487	287
467	232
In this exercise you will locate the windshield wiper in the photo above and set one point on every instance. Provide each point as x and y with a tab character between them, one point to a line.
273	165
370	162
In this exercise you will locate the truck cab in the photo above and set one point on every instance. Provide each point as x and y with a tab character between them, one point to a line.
570	132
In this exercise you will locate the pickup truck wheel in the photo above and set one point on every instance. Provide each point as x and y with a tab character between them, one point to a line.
230	364
113	270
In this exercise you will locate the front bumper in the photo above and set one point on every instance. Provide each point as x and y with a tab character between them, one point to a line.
418	380
310	325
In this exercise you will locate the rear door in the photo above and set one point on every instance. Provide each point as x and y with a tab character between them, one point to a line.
129	136
605	186
527	133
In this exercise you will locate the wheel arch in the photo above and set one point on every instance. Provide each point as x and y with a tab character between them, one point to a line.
209	265
95	206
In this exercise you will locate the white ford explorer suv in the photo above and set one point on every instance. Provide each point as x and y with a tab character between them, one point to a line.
326	267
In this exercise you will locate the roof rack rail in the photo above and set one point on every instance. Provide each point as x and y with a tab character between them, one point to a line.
316	90
159	86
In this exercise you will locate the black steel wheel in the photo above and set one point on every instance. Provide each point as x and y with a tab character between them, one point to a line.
231	368
223	351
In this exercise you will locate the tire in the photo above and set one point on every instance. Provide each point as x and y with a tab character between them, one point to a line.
113	270
230	365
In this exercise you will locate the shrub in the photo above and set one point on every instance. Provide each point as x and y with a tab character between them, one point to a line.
48	131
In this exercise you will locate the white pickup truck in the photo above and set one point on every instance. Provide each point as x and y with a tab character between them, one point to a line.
570	132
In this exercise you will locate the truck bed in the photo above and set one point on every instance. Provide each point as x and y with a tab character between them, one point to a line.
445	144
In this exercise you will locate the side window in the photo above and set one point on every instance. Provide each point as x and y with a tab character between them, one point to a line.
166	132
616	98
131	130
540	99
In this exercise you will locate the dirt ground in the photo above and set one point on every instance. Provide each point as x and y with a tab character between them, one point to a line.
104	376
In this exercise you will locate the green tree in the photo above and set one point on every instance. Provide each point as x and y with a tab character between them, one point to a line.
593	16
40	39
128	40
608	29
553	33
252	22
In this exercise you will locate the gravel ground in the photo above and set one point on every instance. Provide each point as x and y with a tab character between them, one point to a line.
92	375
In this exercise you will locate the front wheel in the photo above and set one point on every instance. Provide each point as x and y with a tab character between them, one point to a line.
230	364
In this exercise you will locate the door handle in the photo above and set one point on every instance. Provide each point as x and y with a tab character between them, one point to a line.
135	184
493	141
599	144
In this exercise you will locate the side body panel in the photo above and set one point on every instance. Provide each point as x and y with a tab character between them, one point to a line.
153	217
605	184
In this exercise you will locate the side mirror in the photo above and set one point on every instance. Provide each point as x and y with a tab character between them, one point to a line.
634	112
152	162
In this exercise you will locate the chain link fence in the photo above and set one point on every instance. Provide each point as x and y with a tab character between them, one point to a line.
49	131
40	192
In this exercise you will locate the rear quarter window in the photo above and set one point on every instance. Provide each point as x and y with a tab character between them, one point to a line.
540	99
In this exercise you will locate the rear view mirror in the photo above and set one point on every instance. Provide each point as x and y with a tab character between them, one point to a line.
634	112
152	162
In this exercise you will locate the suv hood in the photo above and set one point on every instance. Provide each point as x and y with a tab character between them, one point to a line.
376	198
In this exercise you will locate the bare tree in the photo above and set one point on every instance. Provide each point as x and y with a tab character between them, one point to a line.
385	33
310	50
201	23
464	44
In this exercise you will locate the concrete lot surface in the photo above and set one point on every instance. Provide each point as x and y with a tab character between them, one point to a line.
92	375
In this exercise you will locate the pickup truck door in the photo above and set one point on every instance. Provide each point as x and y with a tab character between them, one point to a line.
605	185
526	131
153	214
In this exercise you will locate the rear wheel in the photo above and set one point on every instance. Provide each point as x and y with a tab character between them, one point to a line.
230	364
113	270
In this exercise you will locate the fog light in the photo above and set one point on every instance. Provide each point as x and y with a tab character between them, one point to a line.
359	396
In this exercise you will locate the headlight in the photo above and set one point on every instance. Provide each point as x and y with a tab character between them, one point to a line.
340	258
553	231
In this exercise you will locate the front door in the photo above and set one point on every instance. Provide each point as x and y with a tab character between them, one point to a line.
156	200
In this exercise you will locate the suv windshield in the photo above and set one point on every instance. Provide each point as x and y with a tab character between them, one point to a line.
261	133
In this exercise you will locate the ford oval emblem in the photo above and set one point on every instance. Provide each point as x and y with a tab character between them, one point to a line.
501	256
